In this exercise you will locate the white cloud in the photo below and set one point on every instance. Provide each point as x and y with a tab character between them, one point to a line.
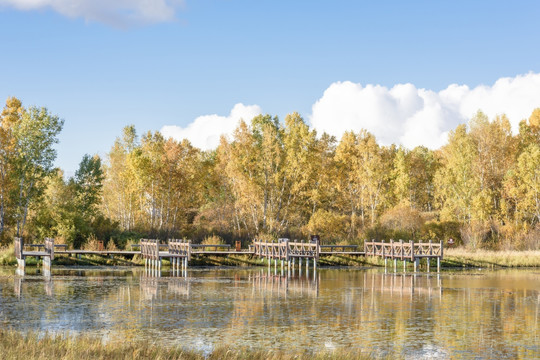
113	12
410	116
204	132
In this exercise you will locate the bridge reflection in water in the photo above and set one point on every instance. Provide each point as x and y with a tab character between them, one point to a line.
404	284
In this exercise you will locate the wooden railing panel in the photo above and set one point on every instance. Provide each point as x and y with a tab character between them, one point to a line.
403	250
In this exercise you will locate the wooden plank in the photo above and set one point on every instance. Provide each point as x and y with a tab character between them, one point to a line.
36	253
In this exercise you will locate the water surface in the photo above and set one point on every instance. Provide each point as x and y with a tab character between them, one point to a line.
479	314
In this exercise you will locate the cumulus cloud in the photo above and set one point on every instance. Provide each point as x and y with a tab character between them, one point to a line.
116	12
204	132
410	116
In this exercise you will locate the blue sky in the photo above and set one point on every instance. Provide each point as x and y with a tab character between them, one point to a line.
100	67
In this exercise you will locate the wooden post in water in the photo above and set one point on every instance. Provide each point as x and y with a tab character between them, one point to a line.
430	253
287	254
21	261
383	255
439	258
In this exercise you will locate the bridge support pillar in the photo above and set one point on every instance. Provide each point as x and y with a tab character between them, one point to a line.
21	264
438	264
428	260
404	265
300	262
416	264
314	264
47	263
395	265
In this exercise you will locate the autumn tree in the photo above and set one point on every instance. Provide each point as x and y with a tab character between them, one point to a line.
9	118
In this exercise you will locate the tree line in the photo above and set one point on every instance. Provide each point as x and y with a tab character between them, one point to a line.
275	179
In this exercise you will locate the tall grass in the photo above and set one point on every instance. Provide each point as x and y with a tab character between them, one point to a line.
14	345
490	258
7	256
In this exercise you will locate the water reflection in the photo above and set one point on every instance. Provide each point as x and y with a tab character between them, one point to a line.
284	285
483	315
150	286
404	284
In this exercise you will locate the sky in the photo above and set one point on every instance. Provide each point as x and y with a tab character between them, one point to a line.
407	71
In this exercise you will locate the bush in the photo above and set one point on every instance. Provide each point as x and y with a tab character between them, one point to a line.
442	230
330	226
403	222
213	240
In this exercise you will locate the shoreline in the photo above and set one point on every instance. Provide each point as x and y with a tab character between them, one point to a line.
453	258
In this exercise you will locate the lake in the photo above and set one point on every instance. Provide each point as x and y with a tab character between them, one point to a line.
460	314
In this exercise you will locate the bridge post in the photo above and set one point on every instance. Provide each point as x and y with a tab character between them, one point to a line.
21	261
365	247
287	254
440	257
383	255
430	253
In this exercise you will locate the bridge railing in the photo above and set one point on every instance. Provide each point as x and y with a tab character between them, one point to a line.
403	250
180	247
429	249
270	250
286	249
305	249
150	249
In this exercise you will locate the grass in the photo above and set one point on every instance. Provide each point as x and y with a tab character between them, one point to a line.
14	345
487	258
7	256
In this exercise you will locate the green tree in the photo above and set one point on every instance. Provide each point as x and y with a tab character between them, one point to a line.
88	184
35	134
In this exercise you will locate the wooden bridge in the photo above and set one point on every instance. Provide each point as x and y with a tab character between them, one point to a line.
400	250
179	252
